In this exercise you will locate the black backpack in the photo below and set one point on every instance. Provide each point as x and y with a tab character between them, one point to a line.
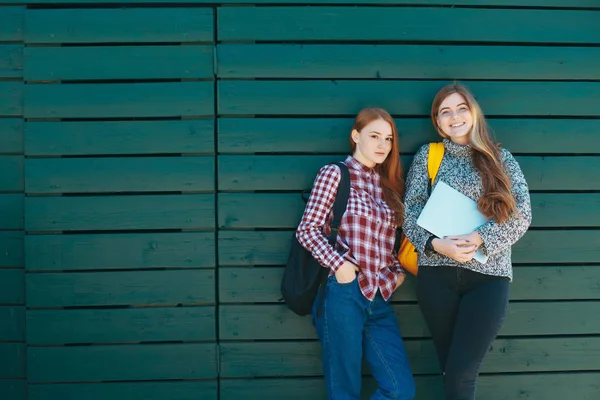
303	275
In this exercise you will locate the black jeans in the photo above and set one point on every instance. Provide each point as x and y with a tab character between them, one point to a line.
464	311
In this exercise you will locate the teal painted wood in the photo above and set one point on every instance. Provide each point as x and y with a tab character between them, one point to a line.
119	62
278	210
406	61
127	251
330	135
135	288
11	249
11	24
12	286
11	211
113	100
12	324
188	136
49	327
262	285
11	136
11	178
179	390
121	362
406	24
11	60
150	25
95	175
13	389
192	211
237	248
11	99
13	360
555	386
403	97
284	172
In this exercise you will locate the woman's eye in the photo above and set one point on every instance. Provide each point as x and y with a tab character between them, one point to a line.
389	139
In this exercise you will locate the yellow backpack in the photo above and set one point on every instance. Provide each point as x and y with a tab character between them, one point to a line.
407	256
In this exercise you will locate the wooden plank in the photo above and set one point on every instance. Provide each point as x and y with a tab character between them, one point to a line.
275	322
13	389
11	249
180	390
284	210
13	360
237	248
330	135
191	136
262	285
11	60
549	386
11	136
114	100
406	61
11	99
403	97
12	286
121	325
118	62
11	24
121	362
11	211
11	179
150	25
191	211
12	324
297	172
406	24
95	175
134	288
127	251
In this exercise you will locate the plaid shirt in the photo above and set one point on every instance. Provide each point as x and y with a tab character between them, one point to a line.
367	231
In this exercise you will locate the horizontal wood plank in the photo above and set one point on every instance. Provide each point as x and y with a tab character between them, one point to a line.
191	211
11	23
11	179
12	324
118	100
128	251
180	390
13	361
13	389
132	325
95	175
263	284
11	211
11	249
12	286
11	60
403	97
11	137
121	362
286	172
237	248
406	24
150	25
191	136
336	61
138	288
11	99
330	135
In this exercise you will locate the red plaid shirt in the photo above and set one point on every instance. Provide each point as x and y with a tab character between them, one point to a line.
367	231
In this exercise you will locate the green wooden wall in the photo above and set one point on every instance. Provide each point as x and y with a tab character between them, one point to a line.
151	158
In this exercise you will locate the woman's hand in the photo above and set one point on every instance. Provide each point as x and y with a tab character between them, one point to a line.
346	273
455	247
400	281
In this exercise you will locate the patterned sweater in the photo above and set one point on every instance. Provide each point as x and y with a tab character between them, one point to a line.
458	171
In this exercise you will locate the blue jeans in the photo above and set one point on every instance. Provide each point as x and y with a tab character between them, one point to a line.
464	311
350	327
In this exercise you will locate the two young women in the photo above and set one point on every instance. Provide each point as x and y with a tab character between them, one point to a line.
463	301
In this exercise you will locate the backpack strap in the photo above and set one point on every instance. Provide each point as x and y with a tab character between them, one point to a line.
434	160
341	201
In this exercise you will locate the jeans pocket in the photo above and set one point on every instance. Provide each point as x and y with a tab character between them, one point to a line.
335	281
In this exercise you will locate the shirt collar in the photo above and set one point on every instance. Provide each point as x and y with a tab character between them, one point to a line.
357	165
458	150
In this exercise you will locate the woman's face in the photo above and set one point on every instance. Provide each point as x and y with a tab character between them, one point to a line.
373	142
455	119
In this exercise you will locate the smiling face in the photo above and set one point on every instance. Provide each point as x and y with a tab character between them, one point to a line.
455	119
373	142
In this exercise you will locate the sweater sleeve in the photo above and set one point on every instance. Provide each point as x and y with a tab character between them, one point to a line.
310	231
496	236
417	184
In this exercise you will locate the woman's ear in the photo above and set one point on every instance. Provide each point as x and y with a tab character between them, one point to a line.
355	135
